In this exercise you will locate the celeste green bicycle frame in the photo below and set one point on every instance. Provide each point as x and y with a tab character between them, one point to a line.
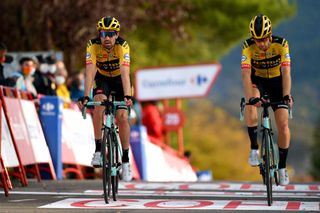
110	147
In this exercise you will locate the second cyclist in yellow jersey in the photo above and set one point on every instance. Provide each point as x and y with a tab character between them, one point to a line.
266	63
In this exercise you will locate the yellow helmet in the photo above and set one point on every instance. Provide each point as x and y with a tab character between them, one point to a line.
108	23
260	27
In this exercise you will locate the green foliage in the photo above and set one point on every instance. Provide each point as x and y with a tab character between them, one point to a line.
205	32
217	142
160	32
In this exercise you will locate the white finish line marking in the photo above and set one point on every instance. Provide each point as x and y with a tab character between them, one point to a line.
151	193
218	186
85	203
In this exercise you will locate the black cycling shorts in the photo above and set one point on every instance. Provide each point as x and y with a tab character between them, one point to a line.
271	86
104	85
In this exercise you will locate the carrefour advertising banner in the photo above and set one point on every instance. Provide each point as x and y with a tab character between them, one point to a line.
176	82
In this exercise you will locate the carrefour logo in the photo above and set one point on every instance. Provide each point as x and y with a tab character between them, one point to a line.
199	80
169	82
48	107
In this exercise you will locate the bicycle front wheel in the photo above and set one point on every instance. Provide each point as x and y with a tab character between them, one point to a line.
106	165
274	152
116	163
268	177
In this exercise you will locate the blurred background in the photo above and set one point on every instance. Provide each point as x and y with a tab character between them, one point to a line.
178	32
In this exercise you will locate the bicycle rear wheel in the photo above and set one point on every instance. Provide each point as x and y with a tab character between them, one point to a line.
268	177
106	165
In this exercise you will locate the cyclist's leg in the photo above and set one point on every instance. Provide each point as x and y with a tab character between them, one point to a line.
100	89
251	118
98	116
282	122
121	114
124	130
281	118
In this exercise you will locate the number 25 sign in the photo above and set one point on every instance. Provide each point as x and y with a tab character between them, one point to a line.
173	119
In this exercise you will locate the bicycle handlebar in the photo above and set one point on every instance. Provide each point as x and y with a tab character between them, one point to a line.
105	103
264	103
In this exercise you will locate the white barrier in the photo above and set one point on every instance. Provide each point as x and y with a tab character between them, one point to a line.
8	151
156	163
37	139
77	137
165	166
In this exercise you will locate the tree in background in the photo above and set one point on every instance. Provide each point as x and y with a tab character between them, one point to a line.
315	157
159	31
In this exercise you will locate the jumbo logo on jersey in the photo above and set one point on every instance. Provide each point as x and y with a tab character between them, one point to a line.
109	65
266	63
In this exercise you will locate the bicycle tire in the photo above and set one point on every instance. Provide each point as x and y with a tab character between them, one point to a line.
275	160
110	162
262	165
106	165
114	179
268	178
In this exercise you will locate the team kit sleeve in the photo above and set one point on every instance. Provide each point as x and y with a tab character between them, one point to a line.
246	57
125	58
285	55
90	56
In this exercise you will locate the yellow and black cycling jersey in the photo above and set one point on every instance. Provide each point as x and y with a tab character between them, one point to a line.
108	62
266	64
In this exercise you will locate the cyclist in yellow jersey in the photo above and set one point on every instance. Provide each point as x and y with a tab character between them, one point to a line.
265	65
108	69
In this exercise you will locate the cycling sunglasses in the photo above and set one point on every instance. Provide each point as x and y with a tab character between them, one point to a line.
109	34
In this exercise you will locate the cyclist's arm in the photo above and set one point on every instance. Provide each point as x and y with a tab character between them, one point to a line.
246	71
285	68
125	78
91	70
286	80
247	84
125	69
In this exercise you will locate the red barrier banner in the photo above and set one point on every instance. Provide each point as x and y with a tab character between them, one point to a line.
20	132
4	177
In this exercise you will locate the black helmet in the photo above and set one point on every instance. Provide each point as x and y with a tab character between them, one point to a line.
260	27
108	23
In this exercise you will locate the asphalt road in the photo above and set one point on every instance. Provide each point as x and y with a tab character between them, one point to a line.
86	196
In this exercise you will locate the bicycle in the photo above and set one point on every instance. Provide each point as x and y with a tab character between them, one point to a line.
110	147
269	152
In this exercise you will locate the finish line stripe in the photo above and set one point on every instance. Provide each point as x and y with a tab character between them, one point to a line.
84	203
